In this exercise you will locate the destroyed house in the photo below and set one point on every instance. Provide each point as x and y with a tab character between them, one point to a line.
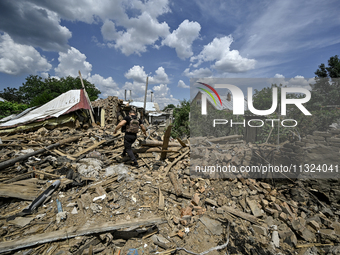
69	108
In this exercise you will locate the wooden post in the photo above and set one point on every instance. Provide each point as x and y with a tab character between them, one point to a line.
82	84
166	141
146	91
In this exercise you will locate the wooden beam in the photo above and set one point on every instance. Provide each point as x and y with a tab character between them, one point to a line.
151	143
12	161
168	167
88	149
82	84
166	141
63	155
73	232
241	214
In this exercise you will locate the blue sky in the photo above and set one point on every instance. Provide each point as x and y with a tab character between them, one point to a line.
117	43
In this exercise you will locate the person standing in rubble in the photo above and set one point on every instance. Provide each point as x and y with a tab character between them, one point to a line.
131	126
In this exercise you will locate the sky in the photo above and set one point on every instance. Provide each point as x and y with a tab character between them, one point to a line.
116	44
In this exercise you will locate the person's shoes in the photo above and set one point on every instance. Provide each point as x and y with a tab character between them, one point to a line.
135	164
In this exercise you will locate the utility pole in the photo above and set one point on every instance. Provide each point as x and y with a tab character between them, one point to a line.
146	91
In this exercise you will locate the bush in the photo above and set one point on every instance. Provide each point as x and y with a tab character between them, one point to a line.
9	108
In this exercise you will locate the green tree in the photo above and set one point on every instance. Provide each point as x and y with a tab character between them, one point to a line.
11	94
181	120
169	106
8	108
326	90
36	90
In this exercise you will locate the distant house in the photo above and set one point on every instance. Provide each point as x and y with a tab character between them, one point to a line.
153	112
2	100
227	102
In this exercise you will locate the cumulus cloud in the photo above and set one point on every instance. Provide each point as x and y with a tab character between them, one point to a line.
162	93
160	77
226	60
198	73
140	32
138	75
182	38
278	76
71	62
298	81
16	59
107	86
181	84
30	24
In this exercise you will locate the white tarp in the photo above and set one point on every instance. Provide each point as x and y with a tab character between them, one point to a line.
54	108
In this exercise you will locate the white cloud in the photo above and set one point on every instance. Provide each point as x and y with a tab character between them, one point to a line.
163	97
160	77
140	32
71	62
108	86
109	31
30	24
181	84
280	29
278	76
298	81
16	59
198	73
138	75
226	60
182	38
161	90
162	94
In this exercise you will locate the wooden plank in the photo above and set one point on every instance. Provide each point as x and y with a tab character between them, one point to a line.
63	155
181	142
73	232
224	138
178	189
241	214
19	177
166	141
160	200
102	117
12	161
151	143
168	167
88	149
26	190
159	150
48	175
100	190
82	84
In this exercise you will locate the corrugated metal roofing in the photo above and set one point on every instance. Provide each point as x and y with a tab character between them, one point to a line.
67	102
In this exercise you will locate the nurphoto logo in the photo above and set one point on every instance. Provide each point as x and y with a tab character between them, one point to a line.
238	104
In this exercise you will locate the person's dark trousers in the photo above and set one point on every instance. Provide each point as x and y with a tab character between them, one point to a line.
128	141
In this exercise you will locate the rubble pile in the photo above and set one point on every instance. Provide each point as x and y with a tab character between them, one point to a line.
112	108
67	191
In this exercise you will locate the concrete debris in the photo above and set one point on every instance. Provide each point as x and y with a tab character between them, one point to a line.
110	206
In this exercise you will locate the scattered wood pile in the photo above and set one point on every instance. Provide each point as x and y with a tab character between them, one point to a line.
67	191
